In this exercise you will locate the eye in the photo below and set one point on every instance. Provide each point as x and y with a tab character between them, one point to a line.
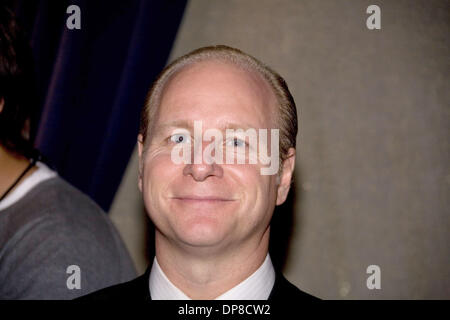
180	138
236	142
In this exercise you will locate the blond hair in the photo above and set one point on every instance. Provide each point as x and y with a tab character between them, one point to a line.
287	111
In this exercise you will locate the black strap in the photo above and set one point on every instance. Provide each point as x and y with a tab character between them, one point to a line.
31	165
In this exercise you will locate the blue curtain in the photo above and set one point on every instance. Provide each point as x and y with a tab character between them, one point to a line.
91	83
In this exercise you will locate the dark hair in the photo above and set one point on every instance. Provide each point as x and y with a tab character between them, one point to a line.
16	84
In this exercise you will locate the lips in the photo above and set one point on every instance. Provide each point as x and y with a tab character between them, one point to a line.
198	198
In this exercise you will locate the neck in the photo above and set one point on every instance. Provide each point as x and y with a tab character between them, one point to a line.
11	166
206	275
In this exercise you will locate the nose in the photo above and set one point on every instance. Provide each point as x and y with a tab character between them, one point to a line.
200	172
204	168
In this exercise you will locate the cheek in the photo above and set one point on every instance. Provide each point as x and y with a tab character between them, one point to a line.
157	162
259	196
158	171
258	189
156	167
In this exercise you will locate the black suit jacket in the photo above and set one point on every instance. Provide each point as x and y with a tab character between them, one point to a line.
138	290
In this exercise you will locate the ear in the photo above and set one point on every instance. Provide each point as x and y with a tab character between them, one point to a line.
140	142
285	177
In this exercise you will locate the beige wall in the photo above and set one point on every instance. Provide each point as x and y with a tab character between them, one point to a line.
373	174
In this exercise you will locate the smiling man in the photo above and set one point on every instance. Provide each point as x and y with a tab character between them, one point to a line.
212	218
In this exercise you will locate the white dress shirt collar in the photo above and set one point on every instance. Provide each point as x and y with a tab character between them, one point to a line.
256	287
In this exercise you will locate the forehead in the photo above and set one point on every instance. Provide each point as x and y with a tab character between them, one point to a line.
216	91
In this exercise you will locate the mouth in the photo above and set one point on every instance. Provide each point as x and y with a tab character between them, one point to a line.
201	205
204	199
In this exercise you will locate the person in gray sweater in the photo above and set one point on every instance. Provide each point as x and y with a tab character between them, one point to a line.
55	242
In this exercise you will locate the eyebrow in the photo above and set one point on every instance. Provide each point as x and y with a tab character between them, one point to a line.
175	124
190	125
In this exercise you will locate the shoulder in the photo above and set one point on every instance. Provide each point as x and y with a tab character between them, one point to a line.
55	205
286	299
284	291
55	198
51	228
134	290
56	194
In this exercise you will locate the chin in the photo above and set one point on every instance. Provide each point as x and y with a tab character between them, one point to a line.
202	235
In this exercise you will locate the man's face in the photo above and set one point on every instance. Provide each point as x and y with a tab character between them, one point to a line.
209	205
